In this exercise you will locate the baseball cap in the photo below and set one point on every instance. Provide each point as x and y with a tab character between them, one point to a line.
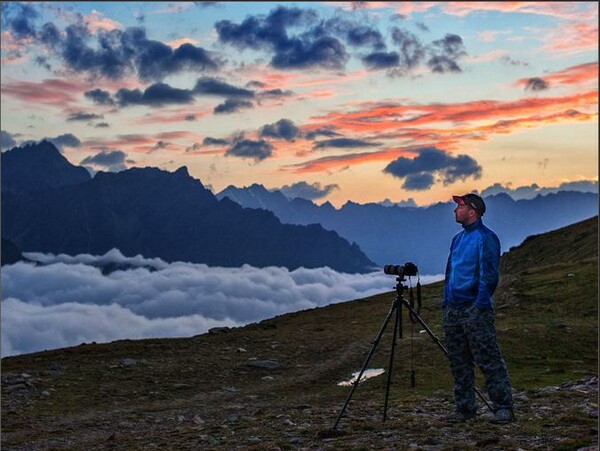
473	201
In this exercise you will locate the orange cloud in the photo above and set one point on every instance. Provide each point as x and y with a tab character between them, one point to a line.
320	93
573	37
170	117
379	118
179	42
96	21
329	163
59	93
407	8
14	50
273	80
576	75
122	141
175	135
564	10
491	35
52	92
141	143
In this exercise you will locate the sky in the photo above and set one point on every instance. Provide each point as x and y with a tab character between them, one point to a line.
343	101
67	300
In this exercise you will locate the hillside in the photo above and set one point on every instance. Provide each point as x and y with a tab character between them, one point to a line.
273	385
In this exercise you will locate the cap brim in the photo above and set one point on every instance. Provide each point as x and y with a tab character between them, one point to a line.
459	200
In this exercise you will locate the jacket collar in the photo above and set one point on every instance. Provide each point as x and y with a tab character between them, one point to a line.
473	225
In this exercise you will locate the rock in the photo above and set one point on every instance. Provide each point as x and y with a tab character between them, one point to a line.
219	330
269	364
197	419
13	379
16	388
233	418
128	362
302	407
56	369
230	389
557	324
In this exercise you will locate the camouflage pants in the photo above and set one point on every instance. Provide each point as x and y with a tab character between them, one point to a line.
471	338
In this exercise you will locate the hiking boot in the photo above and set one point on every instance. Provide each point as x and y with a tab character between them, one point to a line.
502	416
460	417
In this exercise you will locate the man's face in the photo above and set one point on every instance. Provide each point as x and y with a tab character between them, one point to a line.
464	214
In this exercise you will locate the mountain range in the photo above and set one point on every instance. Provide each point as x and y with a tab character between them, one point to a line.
50	205
394	234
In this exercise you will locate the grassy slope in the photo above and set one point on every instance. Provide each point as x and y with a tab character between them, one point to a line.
200	393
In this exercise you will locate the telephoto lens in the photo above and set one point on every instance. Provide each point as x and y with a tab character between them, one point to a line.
396	270
409	269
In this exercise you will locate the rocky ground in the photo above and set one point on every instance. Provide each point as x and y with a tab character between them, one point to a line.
262	404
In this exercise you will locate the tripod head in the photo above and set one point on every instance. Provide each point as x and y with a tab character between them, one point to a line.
400	271
400	287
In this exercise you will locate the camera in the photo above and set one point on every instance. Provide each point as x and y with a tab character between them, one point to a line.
409	269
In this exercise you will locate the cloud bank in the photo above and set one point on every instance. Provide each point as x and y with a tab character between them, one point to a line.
68	300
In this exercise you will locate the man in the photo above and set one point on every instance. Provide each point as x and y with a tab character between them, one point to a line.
468	313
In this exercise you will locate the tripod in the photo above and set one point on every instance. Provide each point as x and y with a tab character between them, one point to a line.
396	312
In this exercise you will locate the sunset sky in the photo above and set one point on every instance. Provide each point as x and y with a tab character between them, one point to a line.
358	101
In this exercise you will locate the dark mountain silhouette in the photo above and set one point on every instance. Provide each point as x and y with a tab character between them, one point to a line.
39	166
392	234
10	253
155	213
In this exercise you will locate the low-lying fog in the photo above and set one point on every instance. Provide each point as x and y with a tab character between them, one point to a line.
66	301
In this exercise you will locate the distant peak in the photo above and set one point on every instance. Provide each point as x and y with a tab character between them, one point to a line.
182	171
257	189
257	186
44	145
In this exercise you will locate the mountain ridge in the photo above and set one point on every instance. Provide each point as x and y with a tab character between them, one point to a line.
39	166
156	213
395	234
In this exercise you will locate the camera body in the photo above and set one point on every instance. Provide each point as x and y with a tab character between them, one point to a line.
409	269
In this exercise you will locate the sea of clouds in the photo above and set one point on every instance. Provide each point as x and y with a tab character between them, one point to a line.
67	300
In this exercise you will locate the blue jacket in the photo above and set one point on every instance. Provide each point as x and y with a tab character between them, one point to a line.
472	268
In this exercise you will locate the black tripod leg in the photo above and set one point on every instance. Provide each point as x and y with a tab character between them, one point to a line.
395	306
397	325
441	346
